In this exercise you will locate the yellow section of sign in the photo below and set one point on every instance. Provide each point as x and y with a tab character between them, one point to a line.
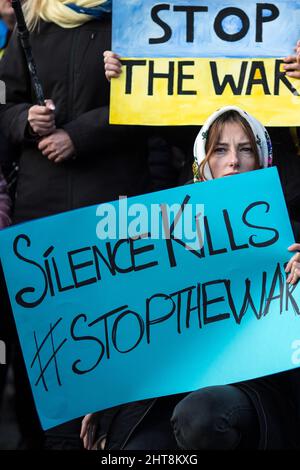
186	91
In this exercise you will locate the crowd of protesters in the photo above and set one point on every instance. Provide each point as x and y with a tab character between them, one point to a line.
63	155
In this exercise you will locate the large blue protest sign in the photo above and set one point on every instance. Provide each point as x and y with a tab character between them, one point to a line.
109	321
247	28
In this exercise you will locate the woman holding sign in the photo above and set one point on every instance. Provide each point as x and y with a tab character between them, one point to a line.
71	157
255	414
285	140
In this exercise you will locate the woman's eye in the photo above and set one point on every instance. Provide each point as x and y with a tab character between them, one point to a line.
246	149
220	150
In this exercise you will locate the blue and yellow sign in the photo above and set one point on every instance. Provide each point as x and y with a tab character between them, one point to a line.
183	60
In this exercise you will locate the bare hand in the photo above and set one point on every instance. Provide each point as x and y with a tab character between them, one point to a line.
88	429
57	147
292	66
42	118
293	266
112	65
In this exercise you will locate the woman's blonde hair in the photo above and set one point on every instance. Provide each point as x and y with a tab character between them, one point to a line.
32	9
215	132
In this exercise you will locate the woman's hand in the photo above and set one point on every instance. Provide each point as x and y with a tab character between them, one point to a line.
112	65
292	66
88	430
42	118
57	147
293	266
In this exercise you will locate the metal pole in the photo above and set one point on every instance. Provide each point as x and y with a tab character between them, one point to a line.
23	34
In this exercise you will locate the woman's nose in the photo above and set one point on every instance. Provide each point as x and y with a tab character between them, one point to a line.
233	157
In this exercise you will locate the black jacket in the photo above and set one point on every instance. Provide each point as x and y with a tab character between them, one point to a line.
287	161
275	399
111	160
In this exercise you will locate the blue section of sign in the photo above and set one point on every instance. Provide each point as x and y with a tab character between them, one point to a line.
247	28
3	34
104	322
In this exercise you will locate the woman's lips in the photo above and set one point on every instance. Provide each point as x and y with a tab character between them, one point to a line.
231	173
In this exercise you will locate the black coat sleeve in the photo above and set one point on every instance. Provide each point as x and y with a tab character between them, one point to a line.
91	132
14	73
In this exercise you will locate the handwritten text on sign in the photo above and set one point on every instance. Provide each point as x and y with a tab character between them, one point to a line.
235	41
93	315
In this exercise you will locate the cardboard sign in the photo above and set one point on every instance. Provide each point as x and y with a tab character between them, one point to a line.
191	294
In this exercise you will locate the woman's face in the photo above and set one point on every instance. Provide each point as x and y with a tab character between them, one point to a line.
233	153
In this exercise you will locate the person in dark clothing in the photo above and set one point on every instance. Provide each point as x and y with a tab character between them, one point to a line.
135	425
8	165
104	161
286	158
261	413
286	146
8	152
71	157
6	324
